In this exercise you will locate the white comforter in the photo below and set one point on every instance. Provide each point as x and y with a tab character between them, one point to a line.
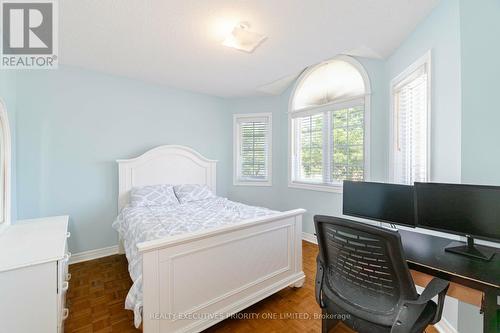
140	224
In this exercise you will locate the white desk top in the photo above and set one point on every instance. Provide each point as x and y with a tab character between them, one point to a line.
33	242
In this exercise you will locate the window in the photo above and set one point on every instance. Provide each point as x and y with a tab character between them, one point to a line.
252	149
328	126
5	149
410	125
310	138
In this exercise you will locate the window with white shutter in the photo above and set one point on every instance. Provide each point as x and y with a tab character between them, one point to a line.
310	155
410	125
328	126
252	149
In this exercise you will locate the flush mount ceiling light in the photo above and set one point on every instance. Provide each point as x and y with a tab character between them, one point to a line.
241	38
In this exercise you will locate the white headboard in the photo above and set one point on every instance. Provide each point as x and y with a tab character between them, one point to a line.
169	164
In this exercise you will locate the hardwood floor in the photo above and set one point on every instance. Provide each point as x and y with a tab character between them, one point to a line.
98	289
96	297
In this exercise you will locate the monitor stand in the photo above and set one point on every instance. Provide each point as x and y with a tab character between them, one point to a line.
471	250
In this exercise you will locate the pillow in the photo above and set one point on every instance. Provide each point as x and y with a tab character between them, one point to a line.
193	192
153	195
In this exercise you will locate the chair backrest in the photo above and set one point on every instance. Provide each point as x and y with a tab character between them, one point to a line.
365	272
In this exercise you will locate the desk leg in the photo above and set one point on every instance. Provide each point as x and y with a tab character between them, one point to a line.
491	312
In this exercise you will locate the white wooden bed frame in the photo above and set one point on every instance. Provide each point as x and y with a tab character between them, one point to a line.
192	281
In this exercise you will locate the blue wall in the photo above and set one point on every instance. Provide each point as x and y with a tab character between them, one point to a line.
480	29
439	33
72	126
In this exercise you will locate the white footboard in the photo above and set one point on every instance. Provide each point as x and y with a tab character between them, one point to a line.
191	282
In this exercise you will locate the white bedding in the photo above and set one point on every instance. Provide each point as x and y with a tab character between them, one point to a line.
140	224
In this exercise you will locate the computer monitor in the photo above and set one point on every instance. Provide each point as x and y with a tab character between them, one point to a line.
389	203
468	210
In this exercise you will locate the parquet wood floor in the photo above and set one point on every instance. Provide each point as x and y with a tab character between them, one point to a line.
98	289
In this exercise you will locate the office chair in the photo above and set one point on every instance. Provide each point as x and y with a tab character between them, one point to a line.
362	279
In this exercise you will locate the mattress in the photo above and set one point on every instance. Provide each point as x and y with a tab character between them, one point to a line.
140	224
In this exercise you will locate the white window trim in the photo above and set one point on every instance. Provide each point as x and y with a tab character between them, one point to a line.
425	59
6	139
335	188
236	152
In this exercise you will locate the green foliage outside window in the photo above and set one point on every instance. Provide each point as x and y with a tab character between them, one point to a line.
345	129
348	144
311	142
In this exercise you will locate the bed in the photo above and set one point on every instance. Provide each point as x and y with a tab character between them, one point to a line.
209	259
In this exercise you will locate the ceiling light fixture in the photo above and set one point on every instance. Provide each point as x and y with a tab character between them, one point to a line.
241	38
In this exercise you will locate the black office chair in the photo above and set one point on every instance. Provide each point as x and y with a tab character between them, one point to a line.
362	279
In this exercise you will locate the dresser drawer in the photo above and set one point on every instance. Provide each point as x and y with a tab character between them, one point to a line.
27	299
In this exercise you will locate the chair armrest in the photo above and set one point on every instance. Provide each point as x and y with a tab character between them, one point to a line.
436	287
320	273
411	310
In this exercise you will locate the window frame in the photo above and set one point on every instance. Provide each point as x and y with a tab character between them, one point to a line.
426	59
341	103
5	159
236	149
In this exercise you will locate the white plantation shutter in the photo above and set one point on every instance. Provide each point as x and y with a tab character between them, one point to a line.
410	98
329	145
253	148
309	134
347	144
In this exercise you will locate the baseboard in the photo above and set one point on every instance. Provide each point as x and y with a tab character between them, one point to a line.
445	327
93	254
311	238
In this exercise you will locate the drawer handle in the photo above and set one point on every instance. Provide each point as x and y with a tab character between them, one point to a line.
68	234
65	313
67	256
68	276
65	286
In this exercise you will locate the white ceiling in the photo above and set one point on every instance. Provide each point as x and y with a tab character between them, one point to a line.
177	43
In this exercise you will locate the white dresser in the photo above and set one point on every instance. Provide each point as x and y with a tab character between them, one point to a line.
34	275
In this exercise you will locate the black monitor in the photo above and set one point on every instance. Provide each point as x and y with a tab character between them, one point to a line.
389	203
467	210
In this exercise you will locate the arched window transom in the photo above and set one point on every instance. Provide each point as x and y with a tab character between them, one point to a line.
329	82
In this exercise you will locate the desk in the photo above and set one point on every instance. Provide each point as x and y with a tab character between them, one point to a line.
480	279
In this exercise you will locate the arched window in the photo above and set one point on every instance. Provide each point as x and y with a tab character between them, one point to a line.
329	122
4	167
